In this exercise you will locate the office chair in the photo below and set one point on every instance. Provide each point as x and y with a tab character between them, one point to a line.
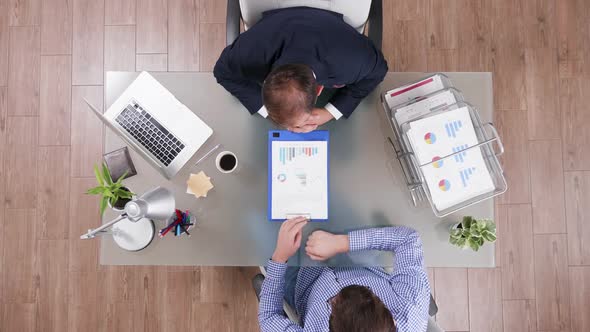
356	13
292	314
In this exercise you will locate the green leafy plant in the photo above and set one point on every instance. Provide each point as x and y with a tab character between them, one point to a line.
110	191
473	233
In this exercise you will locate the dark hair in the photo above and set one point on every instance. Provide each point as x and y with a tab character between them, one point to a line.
288	90
357	308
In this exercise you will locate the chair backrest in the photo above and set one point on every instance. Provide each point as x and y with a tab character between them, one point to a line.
355	12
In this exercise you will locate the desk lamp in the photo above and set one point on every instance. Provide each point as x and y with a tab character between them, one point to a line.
134	229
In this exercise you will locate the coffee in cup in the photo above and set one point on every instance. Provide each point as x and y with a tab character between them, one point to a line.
226	162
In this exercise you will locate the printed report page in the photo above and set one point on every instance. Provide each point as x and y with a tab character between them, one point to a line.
299	179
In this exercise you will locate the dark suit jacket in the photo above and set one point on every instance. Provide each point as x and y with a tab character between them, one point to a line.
336	52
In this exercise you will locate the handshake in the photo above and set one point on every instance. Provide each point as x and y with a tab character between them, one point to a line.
320	245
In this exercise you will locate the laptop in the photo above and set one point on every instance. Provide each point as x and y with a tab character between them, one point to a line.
156	125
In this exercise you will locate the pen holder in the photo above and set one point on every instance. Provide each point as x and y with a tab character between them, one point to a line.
180	223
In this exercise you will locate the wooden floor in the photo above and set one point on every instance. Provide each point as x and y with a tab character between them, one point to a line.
53	53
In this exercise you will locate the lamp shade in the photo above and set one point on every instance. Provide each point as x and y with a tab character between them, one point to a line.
156	204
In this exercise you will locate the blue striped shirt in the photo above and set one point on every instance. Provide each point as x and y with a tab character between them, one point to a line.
405	292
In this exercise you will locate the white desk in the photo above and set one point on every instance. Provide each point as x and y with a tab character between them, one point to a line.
367	188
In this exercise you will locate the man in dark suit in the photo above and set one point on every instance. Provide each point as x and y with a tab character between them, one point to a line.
280	66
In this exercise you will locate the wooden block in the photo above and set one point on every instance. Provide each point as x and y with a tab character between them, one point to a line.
151	62
475	30
183	30
23	72
515	243
572	37
206	316
119	12
485	300
574	95
88	40
83	215
509	78
552	282
478	58
245	304
515	161
577	196
404	10
442	60
405	46
547	186
212	11
87	130
214	284
55	100
540	23
519	316
507	24
52	301
114	279
452	298
442	24
3	147
18	317
119	48
122	316
388	39
580	297
83	288
56	27
179	294
53	192
542	93
19	253
24	12
152	26
2	222
20	166
4	41
212	39
83	307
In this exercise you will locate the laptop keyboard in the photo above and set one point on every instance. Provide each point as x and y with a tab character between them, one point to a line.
149	133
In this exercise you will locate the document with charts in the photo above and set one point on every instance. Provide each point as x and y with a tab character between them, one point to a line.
299	179
460	177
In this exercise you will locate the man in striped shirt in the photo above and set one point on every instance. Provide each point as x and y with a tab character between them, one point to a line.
346	298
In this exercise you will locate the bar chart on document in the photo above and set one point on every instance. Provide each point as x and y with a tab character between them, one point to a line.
299	179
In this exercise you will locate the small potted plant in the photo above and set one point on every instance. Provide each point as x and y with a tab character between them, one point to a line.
472	233
113	193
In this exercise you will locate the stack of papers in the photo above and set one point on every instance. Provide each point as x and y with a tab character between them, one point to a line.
460	177
424	106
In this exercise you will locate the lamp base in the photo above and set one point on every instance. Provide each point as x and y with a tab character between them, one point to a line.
134	236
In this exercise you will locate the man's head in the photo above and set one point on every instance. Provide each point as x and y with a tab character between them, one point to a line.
289	93
357	308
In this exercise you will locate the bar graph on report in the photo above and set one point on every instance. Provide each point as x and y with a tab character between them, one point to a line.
287	154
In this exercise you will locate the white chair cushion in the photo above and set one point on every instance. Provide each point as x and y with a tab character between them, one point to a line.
355	12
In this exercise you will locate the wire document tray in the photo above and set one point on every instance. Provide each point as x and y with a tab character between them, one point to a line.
488	143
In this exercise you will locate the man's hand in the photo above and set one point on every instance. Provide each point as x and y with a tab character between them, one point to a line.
318	117
322	245
289	239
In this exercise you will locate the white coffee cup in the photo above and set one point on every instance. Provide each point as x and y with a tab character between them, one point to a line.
226	162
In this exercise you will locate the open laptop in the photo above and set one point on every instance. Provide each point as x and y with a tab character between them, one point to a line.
156	125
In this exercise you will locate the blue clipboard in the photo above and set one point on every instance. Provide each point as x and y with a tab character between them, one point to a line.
284	135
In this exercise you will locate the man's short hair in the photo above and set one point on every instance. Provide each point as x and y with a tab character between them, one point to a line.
288	90
357	308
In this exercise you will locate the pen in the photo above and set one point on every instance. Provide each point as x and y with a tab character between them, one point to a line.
207	154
